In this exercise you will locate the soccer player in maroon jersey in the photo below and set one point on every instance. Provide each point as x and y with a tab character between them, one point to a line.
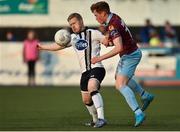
119	36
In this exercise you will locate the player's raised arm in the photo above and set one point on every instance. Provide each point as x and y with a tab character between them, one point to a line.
50	47
62	40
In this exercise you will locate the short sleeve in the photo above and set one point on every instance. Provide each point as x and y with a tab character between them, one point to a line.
113	30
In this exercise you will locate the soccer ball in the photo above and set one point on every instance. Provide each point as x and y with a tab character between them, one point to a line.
62	37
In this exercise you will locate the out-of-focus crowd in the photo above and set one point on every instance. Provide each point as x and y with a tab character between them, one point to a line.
165	37
148	35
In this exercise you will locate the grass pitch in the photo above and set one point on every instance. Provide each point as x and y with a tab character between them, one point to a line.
61	108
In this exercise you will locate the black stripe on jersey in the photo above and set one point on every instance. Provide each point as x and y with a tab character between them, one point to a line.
90	49
85	51
80	36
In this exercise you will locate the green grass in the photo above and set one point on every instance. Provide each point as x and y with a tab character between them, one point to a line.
61	108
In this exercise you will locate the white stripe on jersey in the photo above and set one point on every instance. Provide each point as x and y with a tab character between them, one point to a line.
87	45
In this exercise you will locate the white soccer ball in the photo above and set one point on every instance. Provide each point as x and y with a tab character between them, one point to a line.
62	37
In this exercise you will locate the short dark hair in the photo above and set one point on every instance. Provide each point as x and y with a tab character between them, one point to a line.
76	15
100	6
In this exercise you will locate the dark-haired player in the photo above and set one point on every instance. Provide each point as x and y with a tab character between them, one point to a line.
118	34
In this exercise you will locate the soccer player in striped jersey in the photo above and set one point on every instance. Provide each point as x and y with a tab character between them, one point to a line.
86	44
120	37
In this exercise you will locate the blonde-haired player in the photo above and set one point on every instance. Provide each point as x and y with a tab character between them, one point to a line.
86	43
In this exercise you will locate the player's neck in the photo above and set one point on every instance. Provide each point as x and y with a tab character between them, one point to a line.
83	29
107	18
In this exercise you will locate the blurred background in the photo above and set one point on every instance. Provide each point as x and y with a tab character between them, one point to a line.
48	98
155	24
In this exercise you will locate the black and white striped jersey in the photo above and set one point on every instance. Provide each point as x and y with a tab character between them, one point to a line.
87	45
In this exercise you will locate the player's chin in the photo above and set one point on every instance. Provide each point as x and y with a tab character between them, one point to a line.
101	22
76	31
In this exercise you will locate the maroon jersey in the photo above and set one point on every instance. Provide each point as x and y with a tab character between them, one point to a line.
117	28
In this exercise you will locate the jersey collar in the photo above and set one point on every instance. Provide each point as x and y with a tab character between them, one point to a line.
108	19
85	28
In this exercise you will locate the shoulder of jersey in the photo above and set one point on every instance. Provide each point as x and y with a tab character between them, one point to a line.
89	29
92	30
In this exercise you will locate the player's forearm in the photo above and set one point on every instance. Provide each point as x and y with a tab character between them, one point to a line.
110	54
116	50
51	47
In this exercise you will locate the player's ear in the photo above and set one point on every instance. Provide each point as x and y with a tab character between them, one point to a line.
103	13
81	22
